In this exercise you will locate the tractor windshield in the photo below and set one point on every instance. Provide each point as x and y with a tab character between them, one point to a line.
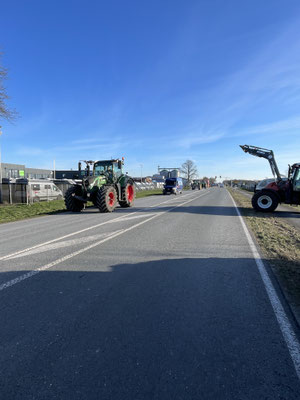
101	169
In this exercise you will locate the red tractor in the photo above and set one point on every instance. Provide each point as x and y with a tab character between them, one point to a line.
280	190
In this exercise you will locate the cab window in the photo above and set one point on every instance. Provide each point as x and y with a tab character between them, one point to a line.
117	170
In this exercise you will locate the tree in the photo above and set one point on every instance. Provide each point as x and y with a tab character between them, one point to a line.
5	111
189	169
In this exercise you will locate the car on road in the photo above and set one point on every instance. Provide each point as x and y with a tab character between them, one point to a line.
173	186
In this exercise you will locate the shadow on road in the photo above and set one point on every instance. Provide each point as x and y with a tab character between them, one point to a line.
203	210
188	328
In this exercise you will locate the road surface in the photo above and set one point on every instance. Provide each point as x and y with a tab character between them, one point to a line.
161	301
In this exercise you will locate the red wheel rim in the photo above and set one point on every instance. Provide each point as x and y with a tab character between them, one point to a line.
130	193
111	199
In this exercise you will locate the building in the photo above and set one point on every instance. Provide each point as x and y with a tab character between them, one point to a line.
21	171
67	174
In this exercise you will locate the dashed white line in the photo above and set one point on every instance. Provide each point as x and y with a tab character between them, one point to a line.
80	231
71	255
63	244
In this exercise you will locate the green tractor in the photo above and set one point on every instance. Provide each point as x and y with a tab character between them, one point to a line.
104	184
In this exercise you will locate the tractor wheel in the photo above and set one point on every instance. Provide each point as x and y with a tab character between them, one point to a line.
107	199
127	195
71	203
265	201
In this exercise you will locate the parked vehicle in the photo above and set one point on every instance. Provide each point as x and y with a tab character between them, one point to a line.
173	186
43	190
104	184
279	190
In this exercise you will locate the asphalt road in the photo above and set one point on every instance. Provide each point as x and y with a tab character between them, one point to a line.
161	301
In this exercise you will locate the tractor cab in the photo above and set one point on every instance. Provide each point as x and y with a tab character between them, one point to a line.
110	168
105	170
294	176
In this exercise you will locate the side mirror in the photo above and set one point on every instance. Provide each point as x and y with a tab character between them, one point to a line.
120	164
79	167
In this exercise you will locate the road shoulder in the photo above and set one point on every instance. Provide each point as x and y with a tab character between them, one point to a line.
279	243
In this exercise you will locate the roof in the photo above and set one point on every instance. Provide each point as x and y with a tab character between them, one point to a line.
106	161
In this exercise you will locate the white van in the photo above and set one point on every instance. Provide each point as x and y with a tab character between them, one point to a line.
43	190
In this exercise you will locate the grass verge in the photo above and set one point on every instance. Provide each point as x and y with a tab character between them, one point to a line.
16	212
146	193
280	245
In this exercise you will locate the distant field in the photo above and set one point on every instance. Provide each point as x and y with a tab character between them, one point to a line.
280	244
15	212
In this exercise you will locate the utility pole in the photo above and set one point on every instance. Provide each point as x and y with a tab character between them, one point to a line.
53	169
141	165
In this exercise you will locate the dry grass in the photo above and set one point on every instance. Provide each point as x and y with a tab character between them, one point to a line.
279	243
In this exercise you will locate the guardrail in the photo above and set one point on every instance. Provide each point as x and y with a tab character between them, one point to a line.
140	186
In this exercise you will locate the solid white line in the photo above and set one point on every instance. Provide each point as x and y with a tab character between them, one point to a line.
71	255
283	321
77	232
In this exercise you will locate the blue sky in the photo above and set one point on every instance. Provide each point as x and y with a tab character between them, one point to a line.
157	82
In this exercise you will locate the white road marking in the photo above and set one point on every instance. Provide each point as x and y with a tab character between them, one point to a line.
129	217
283	321
77	232
66	243
75	253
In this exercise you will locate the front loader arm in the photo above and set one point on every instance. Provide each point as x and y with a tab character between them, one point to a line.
264	153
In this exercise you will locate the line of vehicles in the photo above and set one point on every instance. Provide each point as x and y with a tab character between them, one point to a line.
104	184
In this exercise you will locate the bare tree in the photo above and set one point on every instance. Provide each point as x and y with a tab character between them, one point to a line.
5	111
189	169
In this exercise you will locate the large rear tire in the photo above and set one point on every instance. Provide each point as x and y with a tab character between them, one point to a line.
71	203
107	199
265	201
127	195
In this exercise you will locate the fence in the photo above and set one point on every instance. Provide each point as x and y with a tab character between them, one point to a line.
19	191
140	186
13	193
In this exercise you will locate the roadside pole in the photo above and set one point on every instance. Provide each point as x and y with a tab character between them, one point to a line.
0	168
10	194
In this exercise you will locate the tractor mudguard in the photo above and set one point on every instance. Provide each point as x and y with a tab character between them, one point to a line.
274	192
